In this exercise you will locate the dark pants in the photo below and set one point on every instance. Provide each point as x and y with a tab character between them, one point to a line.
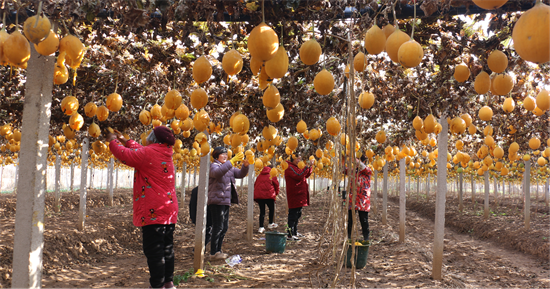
364	219
293	217
271	205
158	246
219	215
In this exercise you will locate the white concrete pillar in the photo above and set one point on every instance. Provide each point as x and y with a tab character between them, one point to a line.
83	188
202	201
385	196
460	192
182	188
110	180
250	205
29	217
72	177
402	199
116	179
439	230
486	200
57	183
527	194
374	193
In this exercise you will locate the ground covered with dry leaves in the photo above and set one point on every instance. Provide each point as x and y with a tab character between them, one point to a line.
499	252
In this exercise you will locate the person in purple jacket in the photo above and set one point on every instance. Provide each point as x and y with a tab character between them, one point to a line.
220	183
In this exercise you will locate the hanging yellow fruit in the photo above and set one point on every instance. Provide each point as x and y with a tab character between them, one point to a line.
232	62
60	74
49	46
534	143
182	112
375	40
410	54
276	114
199	98
94	130
301	127
240	124
114	102
418	124
497	61
360	62
69	105
485	113
255	65
490	4
36	28
202	70
482	83
429	123
292	143
381	136
277	66
201	120
503	84
366	100
310	52
156	111
263	42
271	97
323	82
529	103
74	50
17	49
508	105
172	99
394	42
102	113
90	109
531	34
462	73
333	126
543	100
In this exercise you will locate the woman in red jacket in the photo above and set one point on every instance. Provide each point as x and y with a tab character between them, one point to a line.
155	202
297	194
362	199
266	189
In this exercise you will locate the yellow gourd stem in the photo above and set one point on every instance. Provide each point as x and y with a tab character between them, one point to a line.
116	83
38	14
414	21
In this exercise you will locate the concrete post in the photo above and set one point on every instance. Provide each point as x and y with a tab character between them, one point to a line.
250	205
110	182
460	192
57	183
439	230
402	199
374	193
116	179
182	188
72	177
29	217
486	200
83	188
202	201
385	196
527	194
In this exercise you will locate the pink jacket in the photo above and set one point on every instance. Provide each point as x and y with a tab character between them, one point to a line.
155	200
266	187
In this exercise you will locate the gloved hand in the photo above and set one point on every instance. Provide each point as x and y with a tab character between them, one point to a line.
237	158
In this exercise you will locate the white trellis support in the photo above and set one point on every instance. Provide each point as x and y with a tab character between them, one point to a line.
402	199
72	177
486	200
527	194
250	205
202	200
57	183
385	196
110	180
182	188
29	217
116	179
83	189
374	193
460	192
439	230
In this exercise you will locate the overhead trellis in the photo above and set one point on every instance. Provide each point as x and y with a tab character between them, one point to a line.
148	47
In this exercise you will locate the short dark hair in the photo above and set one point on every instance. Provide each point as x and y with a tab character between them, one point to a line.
218	151
363	158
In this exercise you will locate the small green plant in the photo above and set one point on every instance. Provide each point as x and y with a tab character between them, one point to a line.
183	278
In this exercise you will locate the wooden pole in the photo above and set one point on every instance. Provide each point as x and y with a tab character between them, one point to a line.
202	201
402	199
385	196
250	205
439	230
83	189
29	217
527	194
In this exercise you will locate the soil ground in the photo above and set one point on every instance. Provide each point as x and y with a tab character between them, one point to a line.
498	252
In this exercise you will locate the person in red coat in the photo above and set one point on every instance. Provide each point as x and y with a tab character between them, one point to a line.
297	194
266	189
155	202
362	199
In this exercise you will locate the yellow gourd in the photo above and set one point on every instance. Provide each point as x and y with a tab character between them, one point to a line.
232	62
410	54
310	51
202	70
277	66
482	84
17	49
497	61
263	42
333	126
323	82
36	28
90	109
271	97
49	46
172	99
462	73
114	102
199	98
531	34
375	40
102	113
366	100
396	39
276	114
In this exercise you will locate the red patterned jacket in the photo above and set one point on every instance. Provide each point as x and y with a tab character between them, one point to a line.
155	200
